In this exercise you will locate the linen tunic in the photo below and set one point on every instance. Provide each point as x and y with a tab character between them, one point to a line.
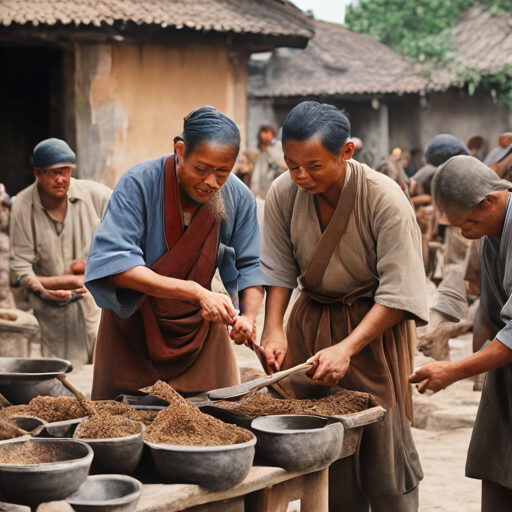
377	260
67	331
381	246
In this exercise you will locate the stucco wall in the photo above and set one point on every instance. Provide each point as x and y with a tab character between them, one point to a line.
131	99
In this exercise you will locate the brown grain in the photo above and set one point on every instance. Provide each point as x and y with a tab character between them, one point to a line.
182	423
343	401
106	427
33	453
68	408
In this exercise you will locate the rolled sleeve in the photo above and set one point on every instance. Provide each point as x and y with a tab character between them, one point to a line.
402	281
245	241
23	254
505	335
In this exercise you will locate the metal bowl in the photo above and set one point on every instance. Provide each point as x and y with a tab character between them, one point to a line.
213	467
32	484
29	424
107	493
24	379
296	442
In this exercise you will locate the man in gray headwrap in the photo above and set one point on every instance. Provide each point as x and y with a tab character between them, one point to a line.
476	200
52	224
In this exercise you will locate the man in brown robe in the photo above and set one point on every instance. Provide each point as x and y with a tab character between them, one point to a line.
349	236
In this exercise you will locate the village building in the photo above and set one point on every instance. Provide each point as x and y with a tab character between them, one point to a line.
390	101
114	78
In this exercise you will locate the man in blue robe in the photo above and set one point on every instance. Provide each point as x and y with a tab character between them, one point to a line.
171	222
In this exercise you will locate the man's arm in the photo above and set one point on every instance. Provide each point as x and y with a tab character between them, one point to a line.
215	307
244	327
500	167
273	339
439	375
331	364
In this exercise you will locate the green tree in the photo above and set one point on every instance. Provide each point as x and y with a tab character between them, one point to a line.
418	29
413	27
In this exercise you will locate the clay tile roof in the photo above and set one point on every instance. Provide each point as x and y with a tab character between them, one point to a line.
269	17
339	62
482	41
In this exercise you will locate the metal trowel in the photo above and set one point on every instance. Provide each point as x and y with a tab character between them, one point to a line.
242	389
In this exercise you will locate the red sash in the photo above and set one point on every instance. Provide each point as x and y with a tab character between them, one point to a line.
174	329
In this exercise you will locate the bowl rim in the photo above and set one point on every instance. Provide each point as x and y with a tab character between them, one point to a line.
289	431
36	374
202	449
117	501
47	466
111	439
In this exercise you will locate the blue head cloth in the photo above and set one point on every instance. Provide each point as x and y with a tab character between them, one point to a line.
443	147
52	152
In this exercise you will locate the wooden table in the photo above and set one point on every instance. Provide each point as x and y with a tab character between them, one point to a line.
266	489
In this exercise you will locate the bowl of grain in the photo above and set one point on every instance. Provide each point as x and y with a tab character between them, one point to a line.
117	442
188	446
107	493
34	471
297	442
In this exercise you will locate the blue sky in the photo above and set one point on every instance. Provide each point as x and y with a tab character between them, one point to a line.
328	10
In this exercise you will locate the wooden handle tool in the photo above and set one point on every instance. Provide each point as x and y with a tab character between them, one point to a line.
84	402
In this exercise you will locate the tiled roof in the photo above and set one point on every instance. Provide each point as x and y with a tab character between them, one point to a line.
482	41
268	17
339	62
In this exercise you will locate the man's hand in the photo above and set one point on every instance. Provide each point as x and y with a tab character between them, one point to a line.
77	267
216	307
33	284
433	377
243	329
272	353
329	365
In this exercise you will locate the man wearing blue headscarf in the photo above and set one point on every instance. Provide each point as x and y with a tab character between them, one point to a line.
52	224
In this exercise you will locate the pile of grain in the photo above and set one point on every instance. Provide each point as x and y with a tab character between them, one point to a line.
33	453
68	408
342	401
182	423
106	427
9	430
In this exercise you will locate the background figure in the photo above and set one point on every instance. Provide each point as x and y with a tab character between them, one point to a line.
500	151
477	146
269	162
52	224
244	167
450	301
391	166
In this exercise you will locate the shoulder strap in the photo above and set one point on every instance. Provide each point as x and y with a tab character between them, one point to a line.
332	235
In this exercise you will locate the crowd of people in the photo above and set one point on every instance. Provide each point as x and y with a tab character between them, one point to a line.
129	272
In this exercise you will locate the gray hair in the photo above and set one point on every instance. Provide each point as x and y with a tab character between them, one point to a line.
463	182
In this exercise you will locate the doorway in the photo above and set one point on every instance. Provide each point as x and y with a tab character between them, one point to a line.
35	85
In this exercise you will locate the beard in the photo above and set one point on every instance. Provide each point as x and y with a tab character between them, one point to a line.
216	206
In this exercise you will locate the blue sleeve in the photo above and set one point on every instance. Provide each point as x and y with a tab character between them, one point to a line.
505	335
117	247
241	260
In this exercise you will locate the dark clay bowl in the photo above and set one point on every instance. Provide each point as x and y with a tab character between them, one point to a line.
24	379
213	467
296	442
107	493
32	484
117	456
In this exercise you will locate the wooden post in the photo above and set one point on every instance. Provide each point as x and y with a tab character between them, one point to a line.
316	492
270	499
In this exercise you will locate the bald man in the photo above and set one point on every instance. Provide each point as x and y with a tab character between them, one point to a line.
478	202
